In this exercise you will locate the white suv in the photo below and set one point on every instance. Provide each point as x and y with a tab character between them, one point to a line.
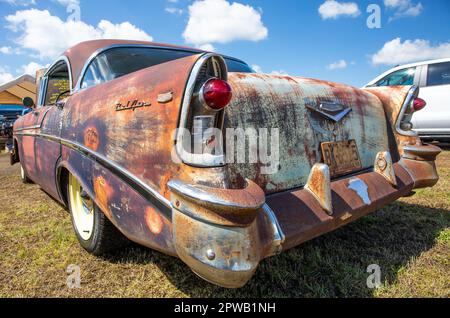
433	78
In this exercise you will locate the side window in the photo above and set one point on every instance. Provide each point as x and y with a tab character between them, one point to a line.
98	72
399	78
438	74
58	84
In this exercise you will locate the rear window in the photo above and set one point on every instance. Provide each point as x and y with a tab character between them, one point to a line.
237	66
438	74
118	62
399	78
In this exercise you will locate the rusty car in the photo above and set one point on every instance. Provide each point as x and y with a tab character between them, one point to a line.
107	139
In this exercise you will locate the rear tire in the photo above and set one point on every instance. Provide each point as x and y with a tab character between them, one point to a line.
23	176
95	233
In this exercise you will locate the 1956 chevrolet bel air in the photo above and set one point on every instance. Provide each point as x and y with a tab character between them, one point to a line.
107	139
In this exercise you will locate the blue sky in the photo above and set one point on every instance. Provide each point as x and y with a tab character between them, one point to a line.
286	36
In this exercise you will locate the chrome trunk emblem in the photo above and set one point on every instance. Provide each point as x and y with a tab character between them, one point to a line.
331	110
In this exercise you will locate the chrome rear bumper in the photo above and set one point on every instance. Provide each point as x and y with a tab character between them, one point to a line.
224	234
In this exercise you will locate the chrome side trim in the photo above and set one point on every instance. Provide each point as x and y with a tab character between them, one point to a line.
161	202
409	98
199	160
34	126
27	128
278	235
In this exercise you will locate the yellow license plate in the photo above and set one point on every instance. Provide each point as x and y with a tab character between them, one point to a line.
342	157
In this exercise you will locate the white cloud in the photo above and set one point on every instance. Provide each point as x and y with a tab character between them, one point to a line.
280	72
48	35
6	50
24	3
31	68
337	65
332	9
404	8
27	3
174	10
257	68
219	21
397	52
5	76
207	47
67	2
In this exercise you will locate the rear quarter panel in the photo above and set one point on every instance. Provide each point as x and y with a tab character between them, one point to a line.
393	98
138	141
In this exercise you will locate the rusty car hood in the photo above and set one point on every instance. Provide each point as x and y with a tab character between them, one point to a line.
272	101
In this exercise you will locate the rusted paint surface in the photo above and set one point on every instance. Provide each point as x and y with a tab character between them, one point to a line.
132	213
424	173
267	101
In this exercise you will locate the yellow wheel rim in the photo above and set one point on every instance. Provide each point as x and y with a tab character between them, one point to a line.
82	209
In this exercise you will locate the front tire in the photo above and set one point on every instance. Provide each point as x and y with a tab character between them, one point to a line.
95	233
23	176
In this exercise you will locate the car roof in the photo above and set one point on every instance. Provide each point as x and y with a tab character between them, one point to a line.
79	54
400	67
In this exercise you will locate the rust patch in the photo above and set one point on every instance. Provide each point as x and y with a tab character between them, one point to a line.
103	191
154	221
91	138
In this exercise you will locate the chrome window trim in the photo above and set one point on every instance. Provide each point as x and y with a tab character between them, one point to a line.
413	92
62	58
42	91
417	75
149	46
422	82
115	46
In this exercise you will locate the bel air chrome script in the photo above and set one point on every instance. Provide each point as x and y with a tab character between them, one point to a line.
131	105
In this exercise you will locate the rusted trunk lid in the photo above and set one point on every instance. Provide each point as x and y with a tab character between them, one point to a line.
269	101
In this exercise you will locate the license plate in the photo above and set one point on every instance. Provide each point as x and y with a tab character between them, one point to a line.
342	157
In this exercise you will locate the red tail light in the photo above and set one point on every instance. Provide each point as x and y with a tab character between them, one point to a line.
419	104
217	94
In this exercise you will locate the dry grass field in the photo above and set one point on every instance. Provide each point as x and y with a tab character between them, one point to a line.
409	240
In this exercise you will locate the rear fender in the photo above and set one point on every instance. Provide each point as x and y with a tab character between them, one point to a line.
395	101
